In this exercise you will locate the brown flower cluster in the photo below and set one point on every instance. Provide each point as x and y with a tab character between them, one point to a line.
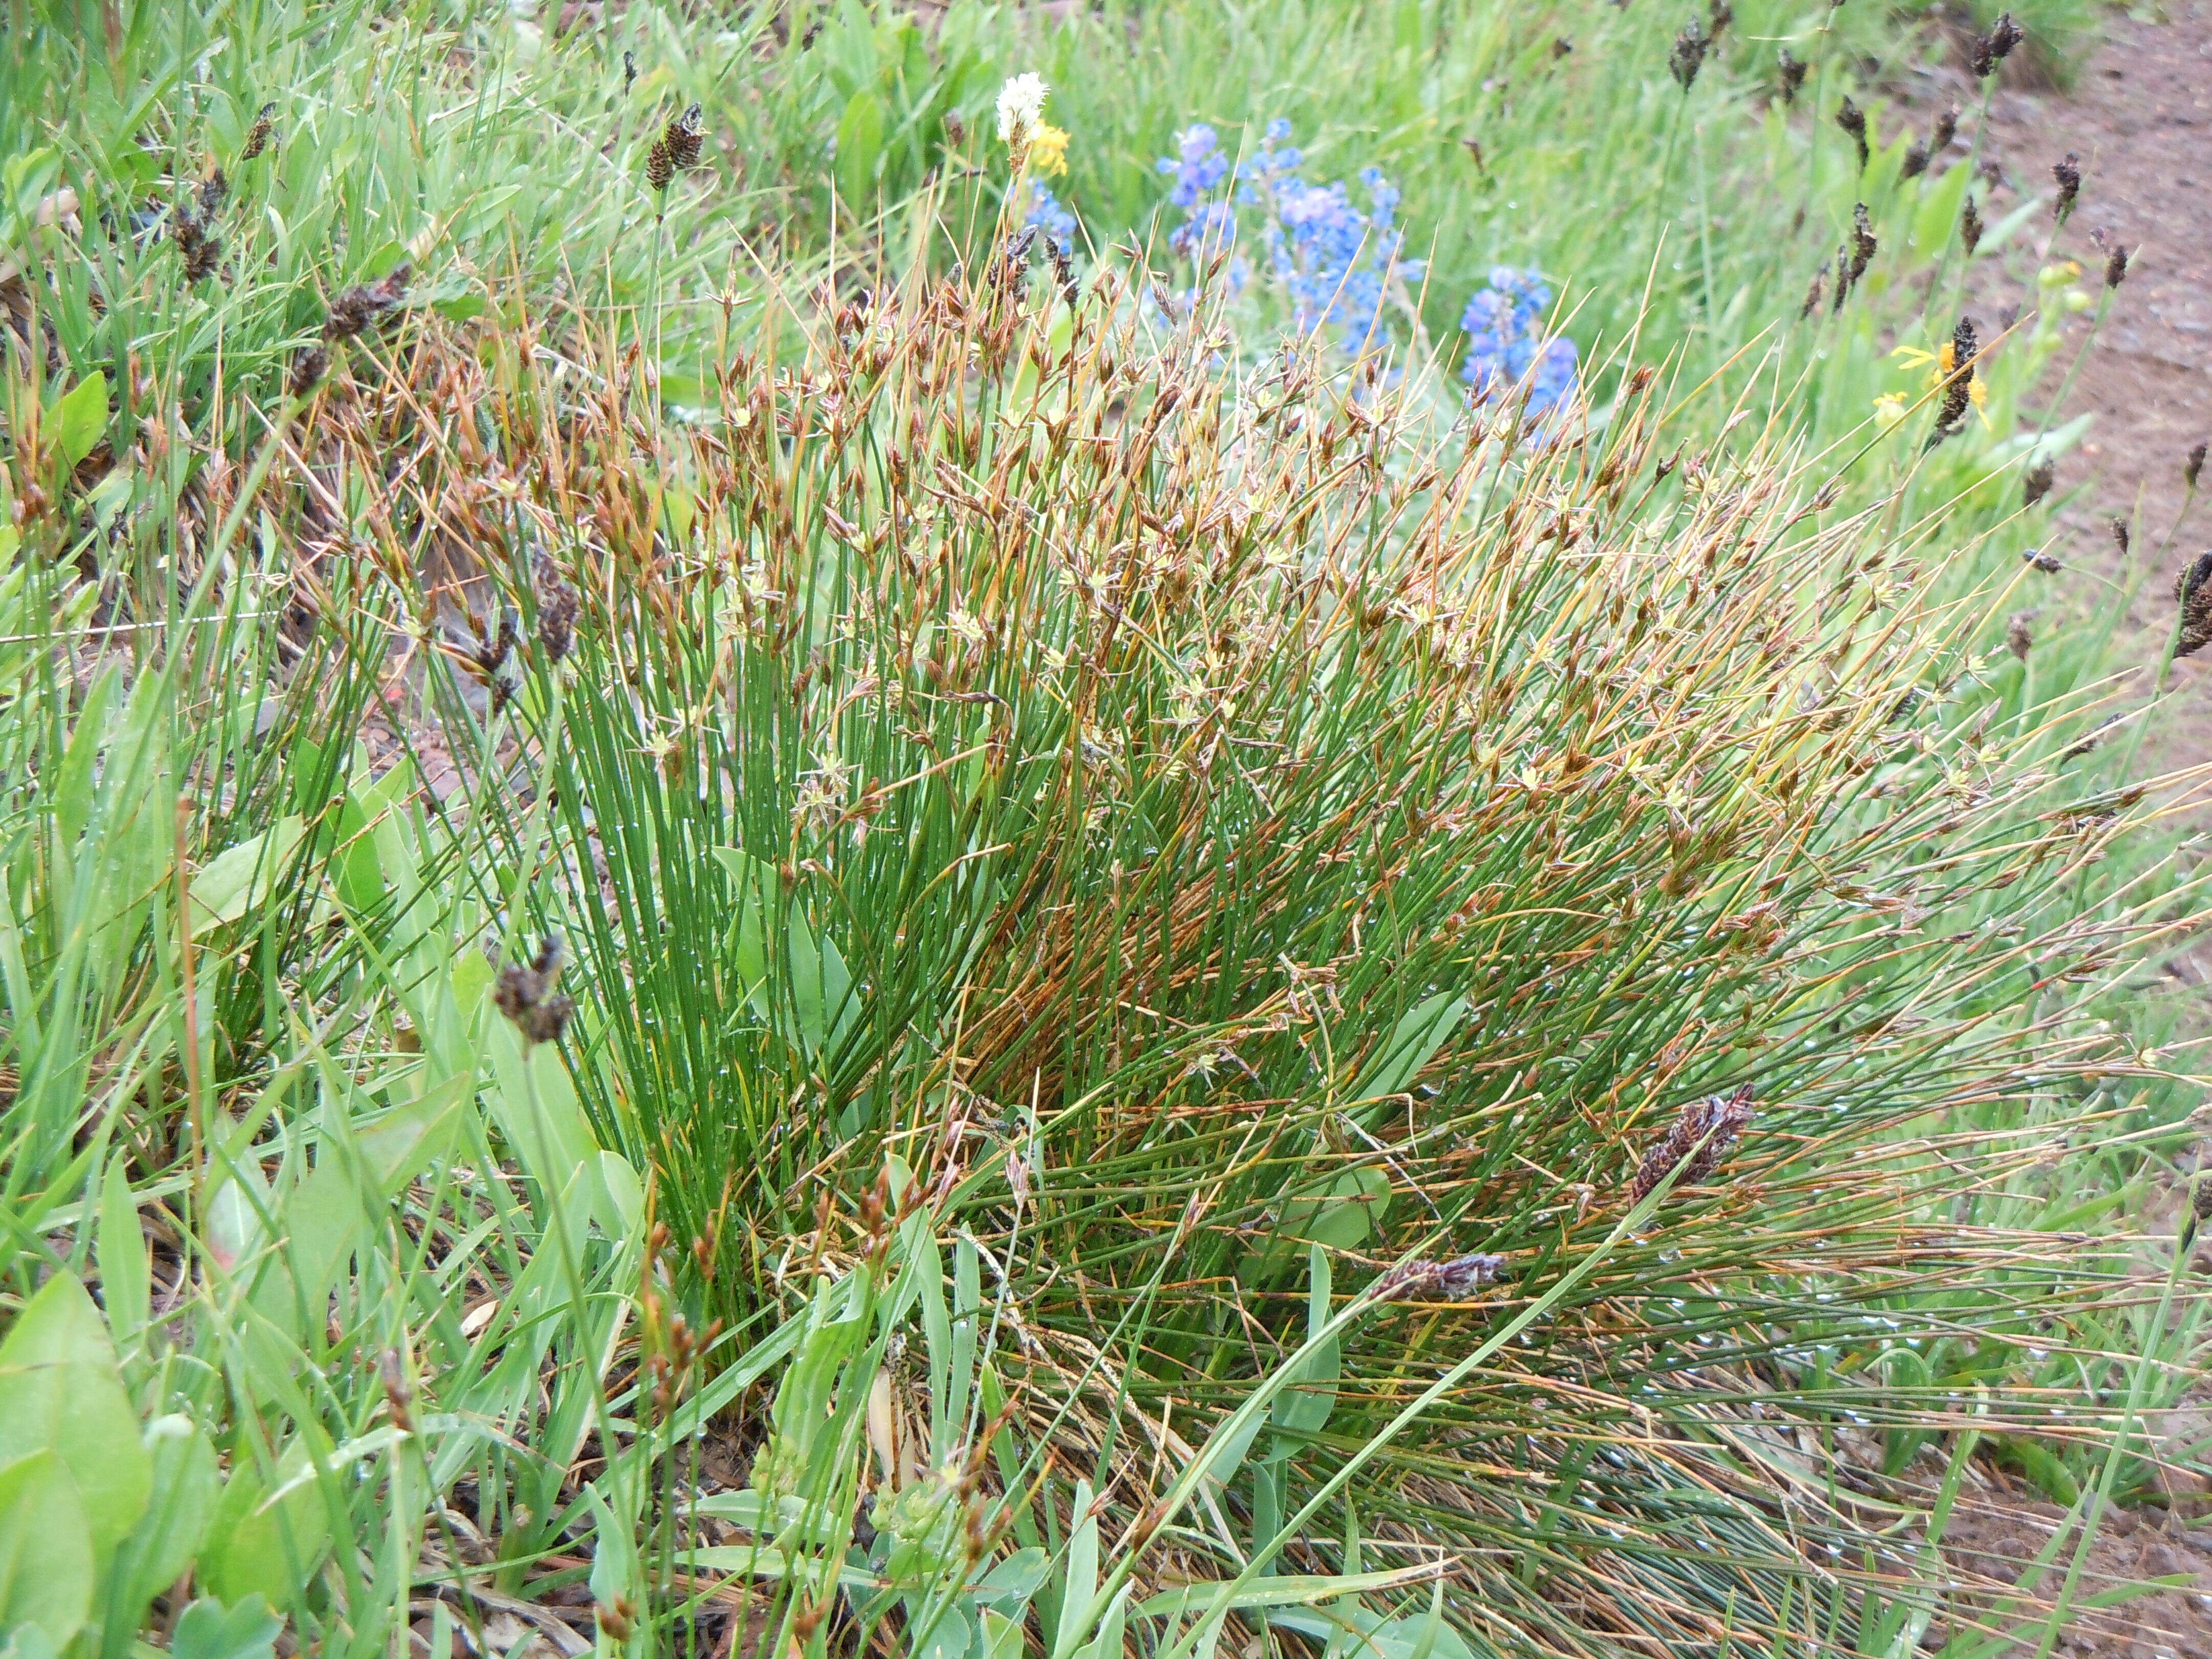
1703	1134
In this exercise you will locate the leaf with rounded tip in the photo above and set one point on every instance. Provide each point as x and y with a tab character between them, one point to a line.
45	1550
61	1391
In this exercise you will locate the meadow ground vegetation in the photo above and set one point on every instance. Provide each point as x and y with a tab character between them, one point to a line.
995	830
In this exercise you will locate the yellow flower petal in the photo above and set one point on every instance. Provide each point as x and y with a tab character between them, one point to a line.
1048	149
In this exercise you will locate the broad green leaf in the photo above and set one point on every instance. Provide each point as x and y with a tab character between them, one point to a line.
1289	1590
46	1549
169	1535
125	1279
859	142
61	1391
240	878
261	1543
1079	1581
1002	1634
207	1630
79	417
1305	1407
1413	1045
1339	1218
1012	1582
1426	1635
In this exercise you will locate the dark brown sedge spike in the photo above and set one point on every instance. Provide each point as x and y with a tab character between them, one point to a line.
2192	589
1688	55
1970	228
2068	172
353	310
1852	119
1703	1133
261	134
1996	45
1793	75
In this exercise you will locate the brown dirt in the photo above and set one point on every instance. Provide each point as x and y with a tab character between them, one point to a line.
2140	120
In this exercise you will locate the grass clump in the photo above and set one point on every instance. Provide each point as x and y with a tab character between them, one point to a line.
990	956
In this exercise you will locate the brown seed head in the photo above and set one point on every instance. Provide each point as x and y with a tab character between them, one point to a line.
2192	587
660	167
1996	45
201	248
1958	385
685	137
2046	562
353	310
309	364
2116	266
214	191
1793	75
557	609
1946	129
1704	1131
1863	242
956	130
1814	292
1719	15
261	134
2193	467
1915	162
524	994
2018	637
1852	119
1443	1281
1969	227
2035	483
2200	1201
1688	56
2120	535
2068	172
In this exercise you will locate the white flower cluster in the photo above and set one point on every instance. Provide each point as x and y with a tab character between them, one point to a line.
1021	105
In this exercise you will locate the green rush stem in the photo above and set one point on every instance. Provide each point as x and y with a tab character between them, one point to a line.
2188	500
2109	1475
2157	691
1194	1473
1666	172
2081	355
1943	258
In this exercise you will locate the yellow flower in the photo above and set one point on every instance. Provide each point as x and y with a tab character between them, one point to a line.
1048	149
1940	364
1889	409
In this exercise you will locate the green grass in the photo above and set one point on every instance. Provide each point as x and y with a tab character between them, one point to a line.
1085	833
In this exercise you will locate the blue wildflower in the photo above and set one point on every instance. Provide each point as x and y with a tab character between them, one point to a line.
1198	166
1506	343
1050	218
1335	259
